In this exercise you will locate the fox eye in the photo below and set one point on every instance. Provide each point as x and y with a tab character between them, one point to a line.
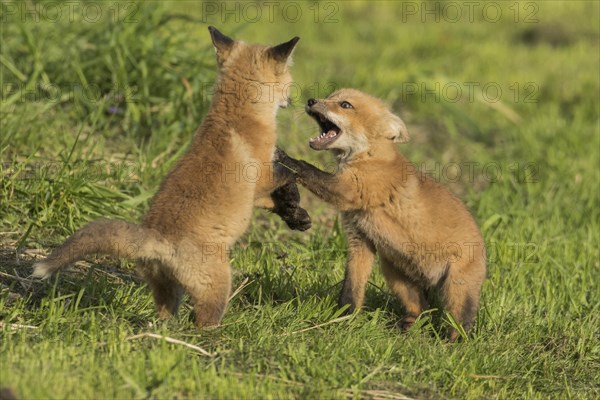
345	104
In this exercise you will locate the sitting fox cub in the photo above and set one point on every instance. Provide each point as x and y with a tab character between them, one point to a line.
425	237
195	212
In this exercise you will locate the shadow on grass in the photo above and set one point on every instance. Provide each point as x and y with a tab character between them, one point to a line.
431	322
80	287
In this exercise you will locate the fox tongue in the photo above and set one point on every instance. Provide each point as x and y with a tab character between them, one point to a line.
325	135
330	134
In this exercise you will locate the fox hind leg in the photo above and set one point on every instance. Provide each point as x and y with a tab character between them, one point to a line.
460	294
211	298
209	285
165	289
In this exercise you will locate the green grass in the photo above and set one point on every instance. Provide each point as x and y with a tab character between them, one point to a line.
68	157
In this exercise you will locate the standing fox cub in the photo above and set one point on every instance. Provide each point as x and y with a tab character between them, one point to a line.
425	237
200	209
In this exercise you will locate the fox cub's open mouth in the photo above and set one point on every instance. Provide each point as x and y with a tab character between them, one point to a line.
330	131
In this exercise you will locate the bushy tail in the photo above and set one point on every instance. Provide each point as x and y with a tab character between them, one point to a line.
114	237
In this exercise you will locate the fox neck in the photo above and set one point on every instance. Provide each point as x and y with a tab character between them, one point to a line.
233	115
243	106
343	156
376	151
241	94
241	113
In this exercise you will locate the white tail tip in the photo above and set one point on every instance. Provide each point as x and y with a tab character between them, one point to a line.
41	270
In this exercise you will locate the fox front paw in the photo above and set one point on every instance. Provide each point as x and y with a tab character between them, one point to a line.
287	206
285	162
298	219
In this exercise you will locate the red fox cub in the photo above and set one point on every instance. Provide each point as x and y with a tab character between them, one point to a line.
199	209
424	235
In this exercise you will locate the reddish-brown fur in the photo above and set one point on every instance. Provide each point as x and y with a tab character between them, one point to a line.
425	237
200	209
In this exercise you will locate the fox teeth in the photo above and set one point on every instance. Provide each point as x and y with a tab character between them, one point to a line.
324	135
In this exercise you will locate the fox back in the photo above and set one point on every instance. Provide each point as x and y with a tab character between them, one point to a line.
205	203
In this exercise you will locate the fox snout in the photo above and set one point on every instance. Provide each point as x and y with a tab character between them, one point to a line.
309	104
316	107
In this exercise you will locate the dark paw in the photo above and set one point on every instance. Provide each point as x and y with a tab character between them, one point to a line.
299	220
279	155
406	323
287	206
282	160
349	308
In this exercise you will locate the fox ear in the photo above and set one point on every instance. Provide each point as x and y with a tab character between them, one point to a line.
222	43
397	129
282	51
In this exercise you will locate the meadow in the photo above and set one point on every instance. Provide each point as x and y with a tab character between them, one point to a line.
501	100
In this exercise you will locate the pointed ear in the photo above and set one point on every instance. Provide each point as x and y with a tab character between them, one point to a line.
282	51
222	43
397	130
